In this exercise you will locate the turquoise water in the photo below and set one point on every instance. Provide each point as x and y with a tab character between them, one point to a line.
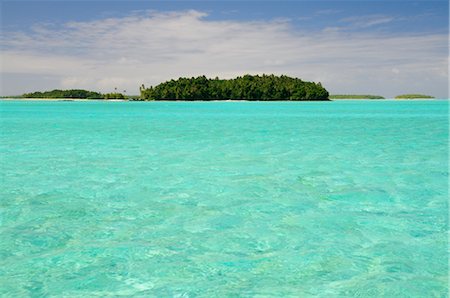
208	199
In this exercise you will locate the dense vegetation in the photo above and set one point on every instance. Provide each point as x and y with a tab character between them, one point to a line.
74	93
356	96
247	87
114	96
413	96
12	96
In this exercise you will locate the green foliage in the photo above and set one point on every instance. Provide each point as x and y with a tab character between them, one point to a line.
12	96
133	97
355	96
413	96
114	96
73	93
247	87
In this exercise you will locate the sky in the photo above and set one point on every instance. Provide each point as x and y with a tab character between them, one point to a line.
352	47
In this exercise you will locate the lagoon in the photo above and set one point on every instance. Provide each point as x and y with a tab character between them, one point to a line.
202	199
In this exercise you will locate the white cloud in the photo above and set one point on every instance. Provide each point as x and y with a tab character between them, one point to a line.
153	47
368	20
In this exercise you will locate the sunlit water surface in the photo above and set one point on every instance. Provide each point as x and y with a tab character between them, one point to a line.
209	199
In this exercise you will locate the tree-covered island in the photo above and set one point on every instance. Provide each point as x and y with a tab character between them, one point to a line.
247	87
413	96
73	93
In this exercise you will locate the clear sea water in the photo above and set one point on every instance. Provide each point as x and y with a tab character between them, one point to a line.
224	199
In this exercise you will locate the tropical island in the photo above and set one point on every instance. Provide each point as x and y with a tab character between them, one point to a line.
70	94
73	93
247	87
355	96
413	96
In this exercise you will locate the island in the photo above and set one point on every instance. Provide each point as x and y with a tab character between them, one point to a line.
413	96
72	94
355	96
247	87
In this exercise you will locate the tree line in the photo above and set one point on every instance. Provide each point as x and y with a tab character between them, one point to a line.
247	87
413	96
73	93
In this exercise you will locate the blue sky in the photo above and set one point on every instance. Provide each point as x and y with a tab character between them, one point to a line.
366	46
411	16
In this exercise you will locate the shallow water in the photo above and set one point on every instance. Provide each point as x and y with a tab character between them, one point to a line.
219	199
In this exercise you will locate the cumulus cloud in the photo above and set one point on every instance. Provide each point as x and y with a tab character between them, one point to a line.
154	46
